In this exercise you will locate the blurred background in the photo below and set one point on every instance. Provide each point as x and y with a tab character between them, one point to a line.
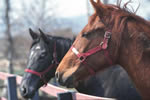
64	18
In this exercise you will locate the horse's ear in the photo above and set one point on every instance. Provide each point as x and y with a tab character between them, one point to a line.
33	34
74	37
99	8
43	36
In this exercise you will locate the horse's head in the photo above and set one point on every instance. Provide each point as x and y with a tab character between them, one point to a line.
40	65
95	48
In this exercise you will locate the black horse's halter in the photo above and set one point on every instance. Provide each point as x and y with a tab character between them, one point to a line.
42	74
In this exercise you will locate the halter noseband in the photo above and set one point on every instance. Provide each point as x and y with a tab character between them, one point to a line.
102	46
41	74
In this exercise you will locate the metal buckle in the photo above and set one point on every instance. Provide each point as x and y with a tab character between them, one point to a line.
107	34
82	58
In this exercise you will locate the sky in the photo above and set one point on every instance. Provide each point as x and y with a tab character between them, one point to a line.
69	8
72	7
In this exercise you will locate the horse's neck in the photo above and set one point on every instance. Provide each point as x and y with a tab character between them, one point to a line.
134	61
62	46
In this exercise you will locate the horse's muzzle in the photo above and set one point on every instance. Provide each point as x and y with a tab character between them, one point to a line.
65	81
26	92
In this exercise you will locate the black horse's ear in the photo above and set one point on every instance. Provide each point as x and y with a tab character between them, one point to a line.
74	37
33	34
43	36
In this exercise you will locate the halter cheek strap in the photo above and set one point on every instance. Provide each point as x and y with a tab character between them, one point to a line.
41	74
103	46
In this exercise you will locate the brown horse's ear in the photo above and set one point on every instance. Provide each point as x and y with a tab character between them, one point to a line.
99	8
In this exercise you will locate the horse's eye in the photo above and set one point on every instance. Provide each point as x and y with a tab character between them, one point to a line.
43	55
85	34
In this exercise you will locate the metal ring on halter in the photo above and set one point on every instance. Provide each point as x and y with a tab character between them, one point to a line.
82	58
107	34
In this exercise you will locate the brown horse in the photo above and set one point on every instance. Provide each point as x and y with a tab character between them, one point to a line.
112	36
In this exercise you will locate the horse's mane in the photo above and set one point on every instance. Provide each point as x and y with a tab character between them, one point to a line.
123	15
120	18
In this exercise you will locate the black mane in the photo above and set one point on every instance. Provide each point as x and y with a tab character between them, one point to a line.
62	45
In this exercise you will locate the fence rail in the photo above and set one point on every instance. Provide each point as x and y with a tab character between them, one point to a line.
2	98
55	91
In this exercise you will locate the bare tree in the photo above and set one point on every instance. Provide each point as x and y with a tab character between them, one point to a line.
39	14
9	36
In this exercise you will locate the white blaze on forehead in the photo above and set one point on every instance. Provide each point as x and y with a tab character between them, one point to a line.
31	54
38	47
75	51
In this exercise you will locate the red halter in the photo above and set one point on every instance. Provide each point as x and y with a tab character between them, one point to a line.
103	46
41	74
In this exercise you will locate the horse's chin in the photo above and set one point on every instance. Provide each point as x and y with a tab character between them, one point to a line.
66	81
71	82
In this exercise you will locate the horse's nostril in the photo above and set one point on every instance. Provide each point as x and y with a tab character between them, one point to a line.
23	90
57	75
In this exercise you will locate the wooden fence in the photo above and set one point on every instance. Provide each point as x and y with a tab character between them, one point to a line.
60	93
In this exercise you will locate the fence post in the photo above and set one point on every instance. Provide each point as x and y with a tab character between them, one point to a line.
65	96
12	92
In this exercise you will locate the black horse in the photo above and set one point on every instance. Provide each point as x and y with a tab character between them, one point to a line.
47	51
